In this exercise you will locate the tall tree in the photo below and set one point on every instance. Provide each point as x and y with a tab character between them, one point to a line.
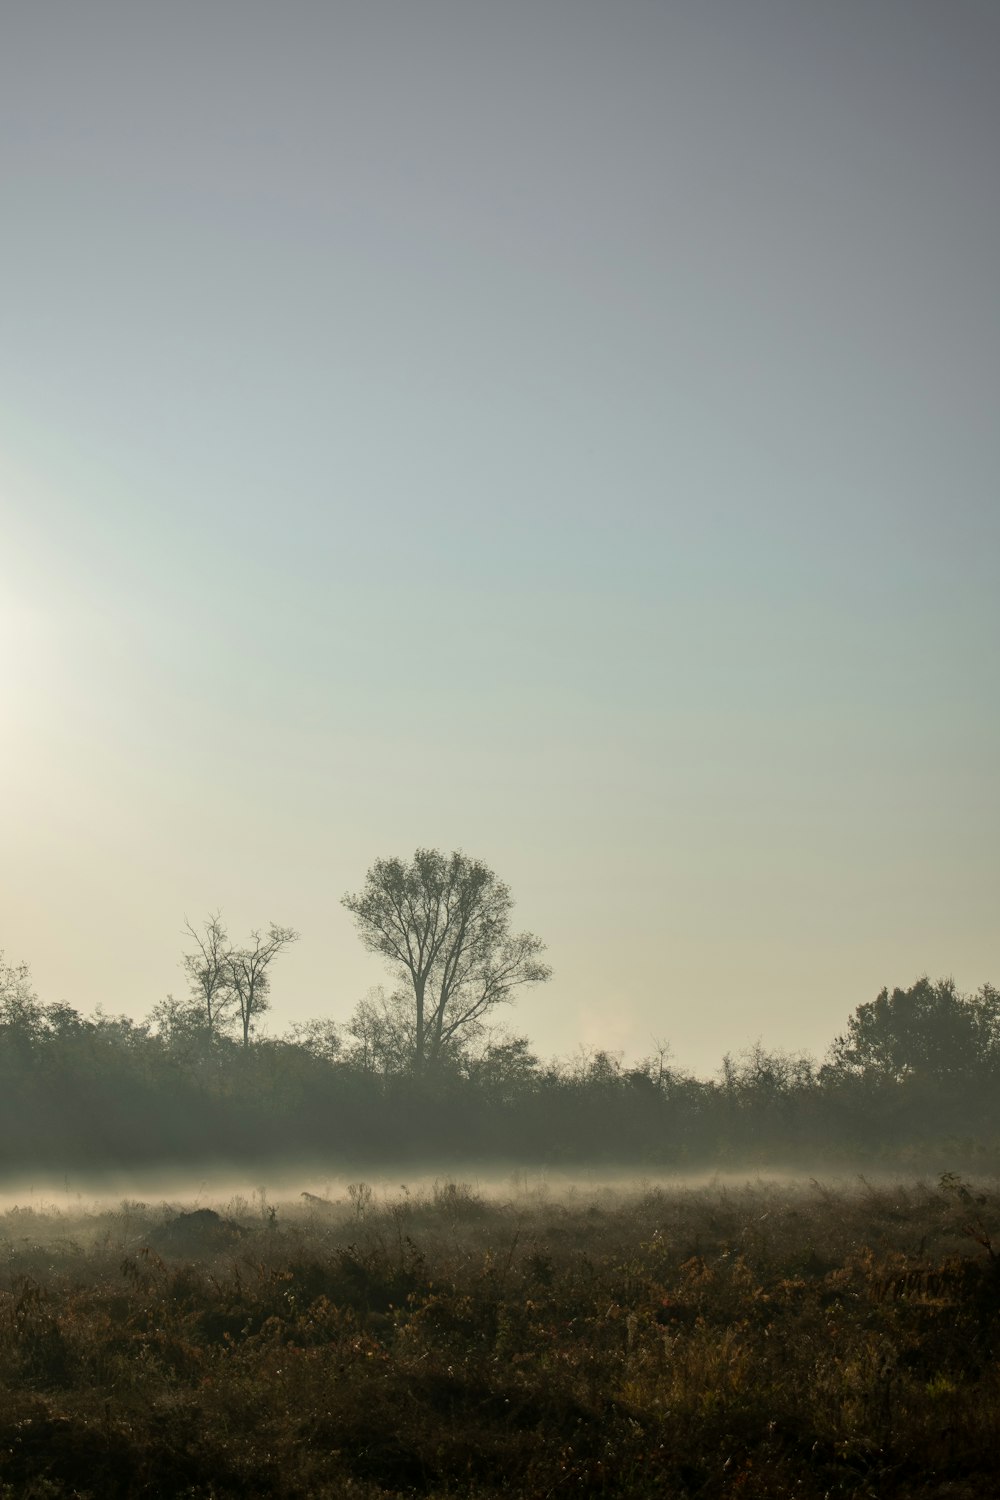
443	923
208	970
248	972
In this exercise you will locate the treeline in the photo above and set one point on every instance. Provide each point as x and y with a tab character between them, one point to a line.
916	1071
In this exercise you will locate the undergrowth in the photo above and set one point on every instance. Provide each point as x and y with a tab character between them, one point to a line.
761	1341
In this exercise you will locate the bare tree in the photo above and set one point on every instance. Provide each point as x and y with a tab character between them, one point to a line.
443	922
208	970
247	970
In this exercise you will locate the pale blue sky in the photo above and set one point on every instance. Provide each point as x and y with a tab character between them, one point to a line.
566	431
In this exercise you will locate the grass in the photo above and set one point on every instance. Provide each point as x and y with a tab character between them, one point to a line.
744	1341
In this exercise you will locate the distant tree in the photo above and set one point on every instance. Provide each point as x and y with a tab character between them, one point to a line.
23	1030
208	970
382	1034
929	1031
320	1038
761	1076
19	1005
247	969
504	1068
182	1032
443	923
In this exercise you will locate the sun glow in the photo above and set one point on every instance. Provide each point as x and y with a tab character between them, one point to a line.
29	655
27	672
27	623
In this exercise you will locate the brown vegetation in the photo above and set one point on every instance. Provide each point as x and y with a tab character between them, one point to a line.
752	1341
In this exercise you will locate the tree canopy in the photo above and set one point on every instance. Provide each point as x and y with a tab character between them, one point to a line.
443	923
926	1032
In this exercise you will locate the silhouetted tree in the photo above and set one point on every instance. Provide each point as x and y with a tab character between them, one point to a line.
443	922
247	970
504	1069
19	1005
382	1033
321	1038
208	970
764	1076
928	1031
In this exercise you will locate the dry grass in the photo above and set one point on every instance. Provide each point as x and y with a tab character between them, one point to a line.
750	1341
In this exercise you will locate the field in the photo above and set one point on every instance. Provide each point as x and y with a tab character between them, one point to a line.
760	1339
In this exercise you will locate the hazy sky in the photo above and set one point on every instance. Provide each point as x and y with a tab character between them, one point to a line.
564	431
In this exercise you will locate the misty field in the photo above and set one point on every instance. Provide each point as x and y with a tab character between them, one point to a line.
761	1339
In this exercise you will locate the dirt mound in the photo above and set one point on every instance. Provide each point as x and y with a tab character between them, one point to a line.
201	1232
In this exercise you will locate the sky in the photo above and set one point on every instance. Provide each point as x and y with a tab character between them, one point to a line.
563	431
